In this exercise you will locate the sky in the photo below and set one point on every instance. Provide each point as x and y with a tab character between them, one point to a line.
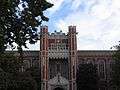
97	22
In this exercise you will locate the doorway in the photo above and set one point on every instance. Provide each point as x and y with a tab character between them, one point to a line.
58	88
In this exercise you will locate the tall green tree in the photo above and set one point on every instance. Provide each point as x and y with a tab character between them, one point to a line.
87	77
4	80
19	20
10	63
9	67
12	79
116	67
36	75
25	81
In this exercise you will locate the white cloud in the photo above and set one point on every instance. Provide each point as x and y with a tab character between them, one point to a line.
57	5
101	11
98	26
75	4
105	8
35	46
116	4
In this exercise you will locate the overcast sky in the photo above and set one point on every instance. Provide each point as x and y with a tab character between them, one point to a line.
97	21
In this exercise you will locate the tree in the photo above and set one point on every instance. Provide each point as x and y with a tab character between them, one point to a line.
25	81
4	80
19	20
116	67
87	77
9	63
9	67
36	75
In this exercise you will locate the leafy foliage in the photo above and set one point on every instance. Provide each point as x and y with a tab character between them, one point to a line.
25	81
116	67
35	73
9	63
4	79
19	20
9	67
11	79
87	77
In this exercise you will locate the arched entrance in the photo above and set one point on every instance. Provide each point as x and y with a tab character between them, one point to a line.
58	88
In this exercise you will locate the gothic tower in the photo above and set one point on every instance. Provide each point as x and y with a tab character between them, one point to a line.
44	56
58	55
72	56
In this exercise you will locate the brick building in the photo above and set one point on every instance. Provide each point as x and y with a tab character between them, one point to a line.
58	59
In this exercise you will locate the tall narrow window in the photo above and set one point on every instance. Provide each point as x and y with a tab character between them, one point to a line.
102	70
43	71
58	67
73	71
110	68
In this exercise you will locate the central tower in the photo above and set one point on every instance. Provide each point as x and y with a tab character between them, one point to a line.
58	55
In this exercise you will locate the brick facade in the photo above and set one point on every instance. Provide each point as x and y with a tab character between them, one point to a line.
58	59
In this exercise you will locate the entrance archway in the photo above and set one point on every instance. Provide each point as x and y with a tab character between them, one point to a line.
58	88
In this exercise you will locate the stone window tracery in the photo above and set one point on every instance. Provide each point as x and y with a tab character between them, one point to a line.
101	67
26	64
110	68
35	63
58	46
58	67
